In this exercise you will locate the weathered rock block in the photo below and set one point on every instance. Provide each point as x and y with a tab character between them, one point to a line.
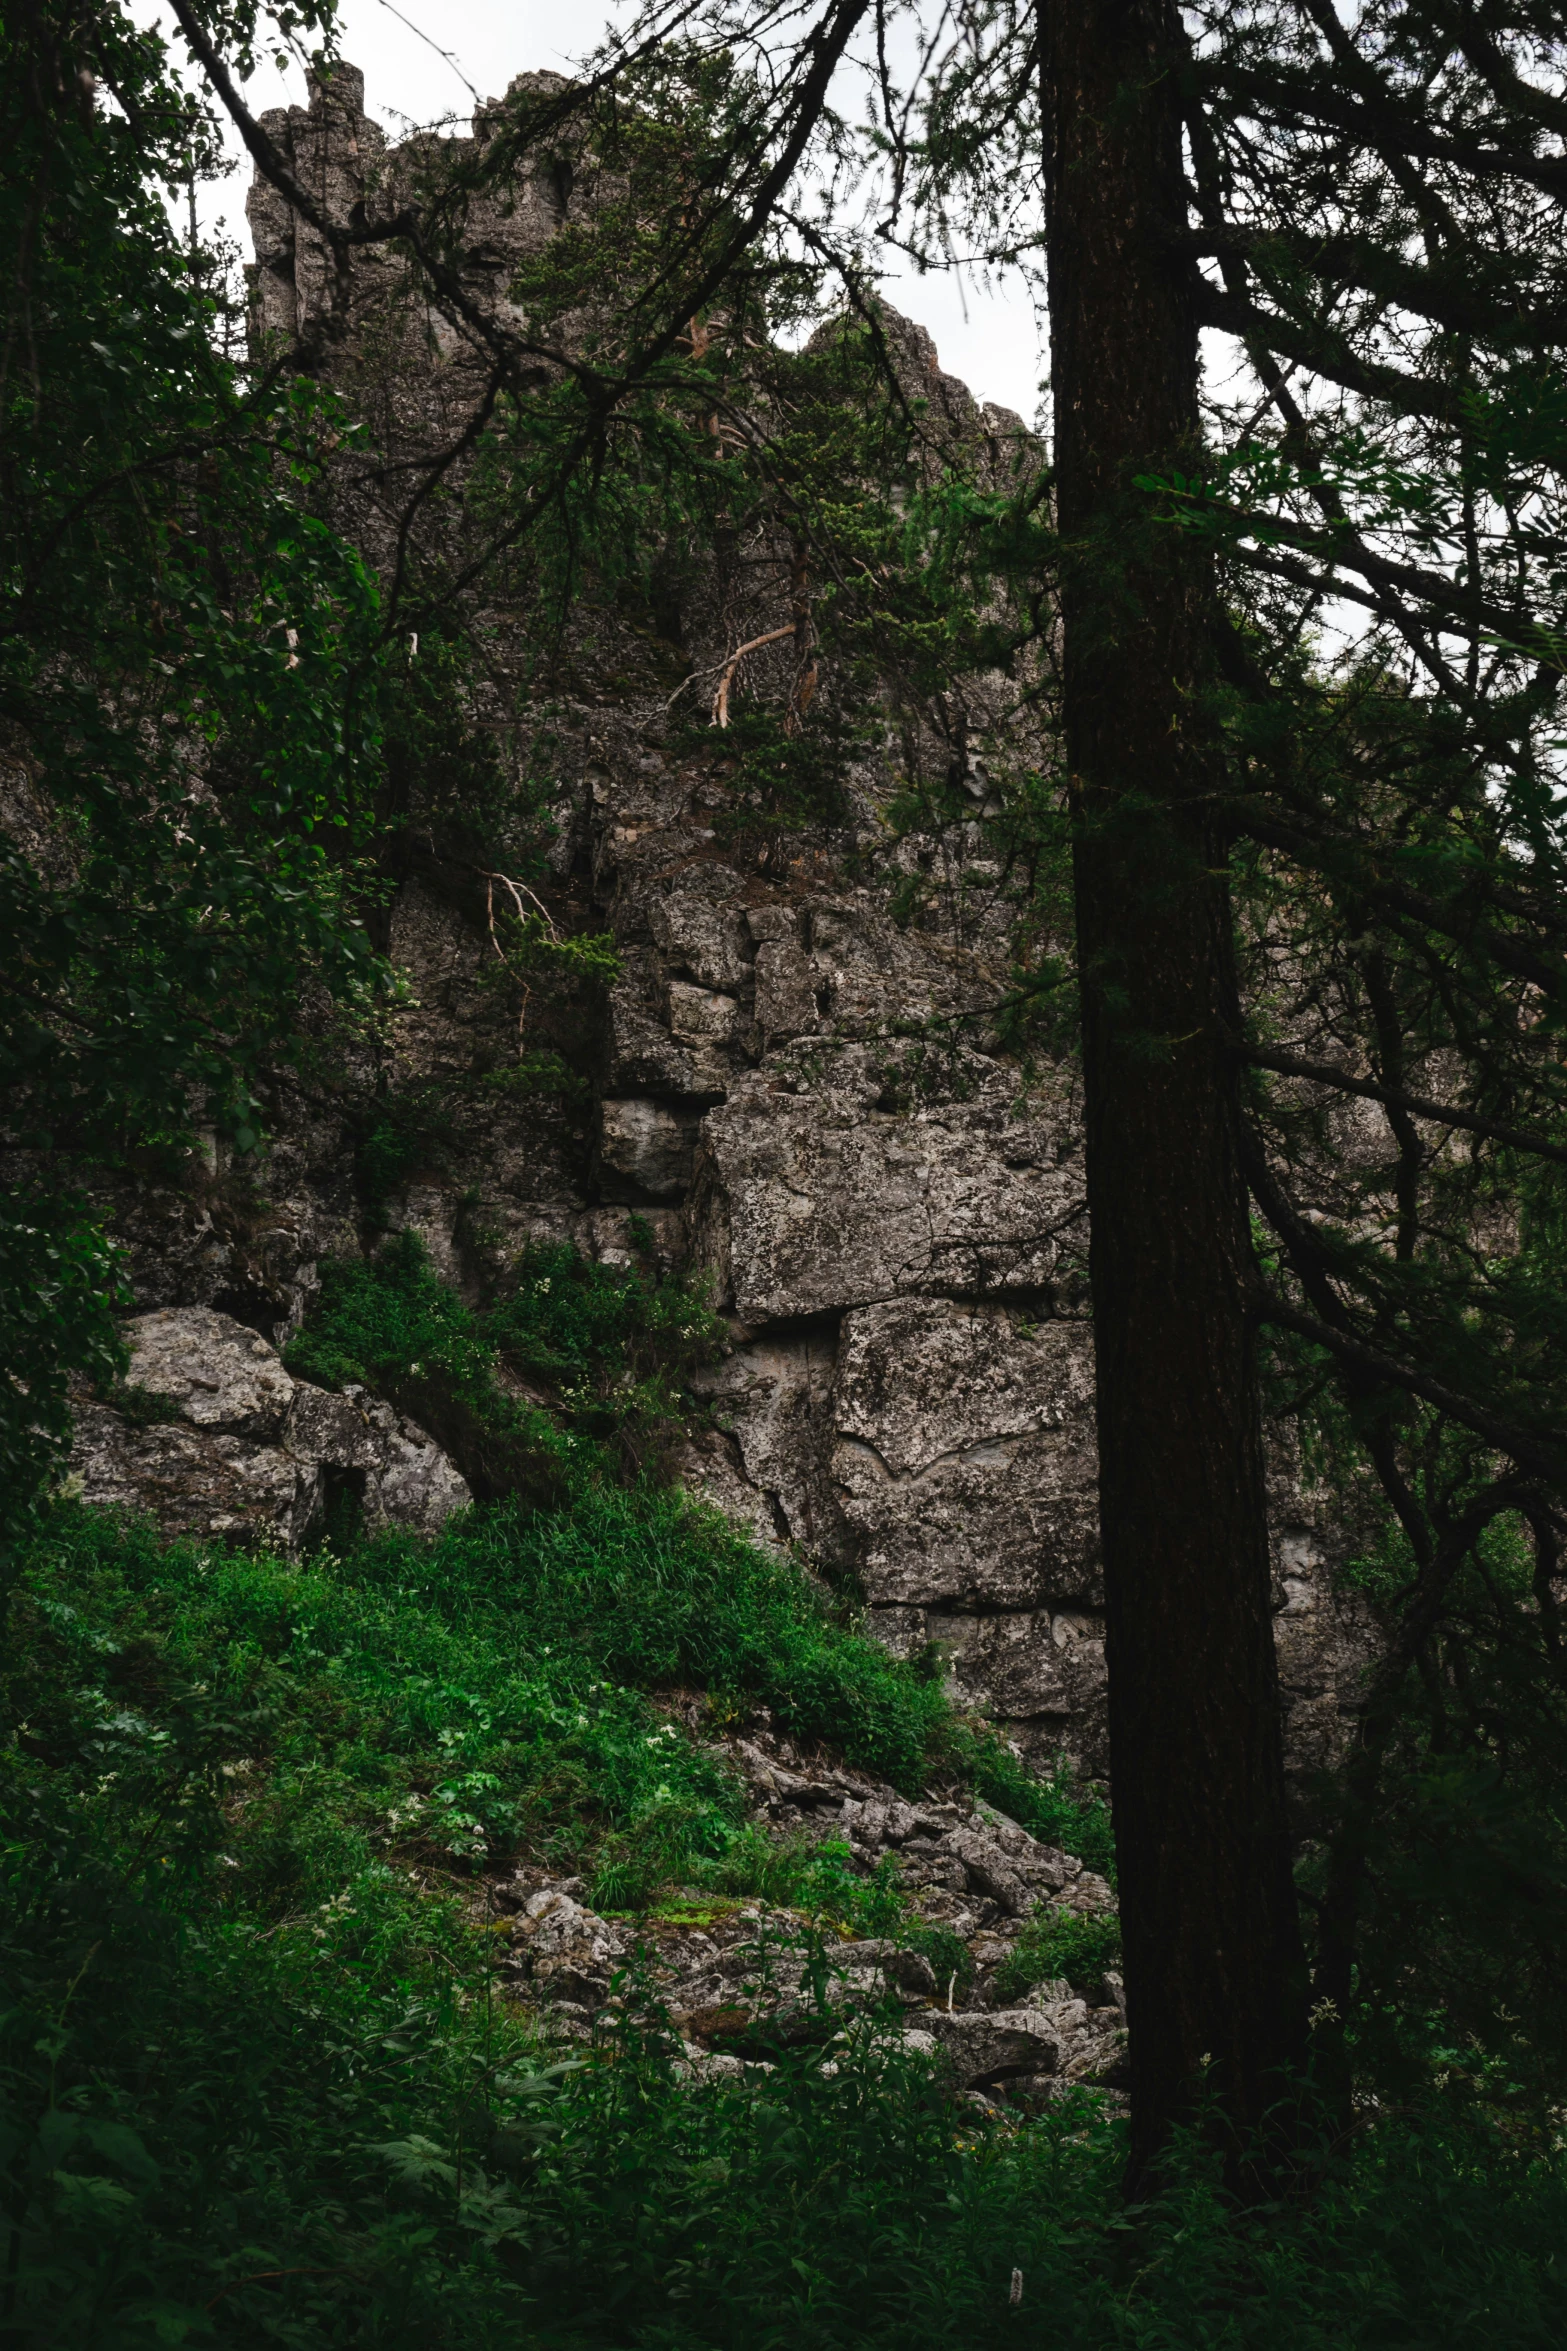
253	1454
200	1482
982	2048
219	1373
829	1202
698	924
645	1150
964	1453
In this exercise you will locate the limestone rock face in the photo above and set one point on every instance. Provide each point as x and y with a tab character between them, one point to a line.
645	1150
794	1080
964	1450
247	1452
824	1200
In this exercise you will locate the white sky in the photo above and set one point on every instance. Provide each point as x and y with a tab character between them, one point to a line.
986	338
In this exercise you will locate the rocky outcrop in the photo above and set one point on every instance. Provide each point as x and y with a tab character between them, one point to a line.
214	1437
741	1982
793	1081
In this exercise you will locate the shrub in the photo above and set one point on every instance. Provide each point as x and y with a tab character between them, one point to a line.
1061	1945
616	1344
394	1326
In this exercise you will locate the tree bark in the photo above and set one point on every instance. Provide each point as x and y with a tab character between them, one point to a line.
1215	1979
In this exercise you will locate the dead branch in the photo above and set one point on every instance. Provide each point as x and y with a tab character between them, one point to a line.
721	697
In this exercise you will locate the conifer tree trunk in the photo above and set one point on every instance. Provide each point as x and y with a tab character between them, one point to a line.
1214	1973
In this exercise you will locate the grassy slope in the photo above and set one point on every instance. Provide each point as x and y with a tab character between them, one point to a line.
257	2083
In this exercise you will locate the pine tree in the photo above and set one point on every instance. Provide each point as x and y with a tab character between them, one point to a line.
1214	1973
1372	213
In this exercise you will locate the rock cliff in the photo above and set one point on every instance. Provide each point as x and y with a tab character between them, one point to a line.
791	1080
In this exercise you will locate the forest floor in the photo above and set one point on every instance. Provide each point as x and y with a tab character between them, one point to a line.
384	1966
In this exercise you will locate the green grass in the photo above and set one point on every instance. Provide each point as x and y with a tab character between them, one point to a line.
646	1585
612	1347
257	2085
1059	1945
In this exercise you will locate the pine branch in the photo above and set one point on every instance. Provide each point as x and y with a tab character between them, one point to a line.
1323	1073
1331	856
1504	1435
1450	298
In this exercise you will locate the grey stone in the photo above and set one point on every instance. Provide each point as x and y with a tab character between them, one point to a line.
698	924
989	1871
980	2047
865	973
221	1374
911	1971
700	1016
194	1481
1040	1671
408	1479
770	924
829	1202
641	1050
324	1426
785	991
566	1951
773	1395
413	1484
645	1150
964	1454
252	1454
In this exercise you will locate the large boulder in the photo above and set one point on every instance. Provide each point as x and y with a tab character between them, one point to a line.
203	1482
220	1374
213	1436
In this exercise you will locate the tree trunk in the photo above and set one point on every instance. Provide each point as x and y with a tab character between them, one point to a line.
1214	1969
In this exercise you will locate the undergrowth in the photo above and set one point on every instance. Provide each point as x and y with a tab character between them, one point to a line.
609	1348
258	2084
651	1586
1061	1946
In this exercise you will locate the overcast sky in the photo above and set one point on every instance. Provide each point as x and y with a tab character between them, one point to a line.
986	338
